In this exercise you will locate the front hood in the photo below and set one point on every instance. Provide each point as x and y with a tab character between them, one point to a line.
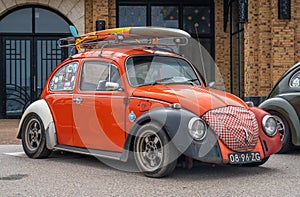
193	98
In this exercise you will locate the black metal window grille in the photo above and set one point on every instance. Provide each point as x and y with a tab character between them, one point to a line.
17	77
49	55
28	56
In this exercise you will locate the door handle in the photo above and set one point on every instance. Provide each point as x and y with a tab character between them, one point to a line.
77	100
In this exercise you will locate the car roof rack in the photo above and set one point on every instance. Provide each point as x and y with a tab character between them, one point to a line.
129	36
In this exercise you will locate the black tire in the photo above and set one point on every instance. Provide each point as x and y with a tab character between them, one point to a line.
154	154
285	132
256	164
33	137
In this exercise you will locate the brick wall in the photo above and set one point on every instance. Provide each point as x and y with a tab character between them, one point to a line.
100	10
222	48
283	43
270	46
251	33
296	15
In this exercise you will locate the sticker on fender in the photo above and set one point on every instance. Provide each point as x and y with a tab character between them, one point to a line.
240	158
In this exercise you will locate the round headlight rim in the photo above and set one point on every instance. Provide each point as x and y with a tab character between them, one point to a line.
264	121
191	123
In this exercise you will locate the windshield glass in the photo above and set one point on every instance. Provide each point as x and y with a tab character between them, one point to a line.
151	70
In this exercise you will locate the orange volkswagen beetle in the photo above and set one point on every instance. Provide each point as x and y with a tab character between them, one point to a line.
123	96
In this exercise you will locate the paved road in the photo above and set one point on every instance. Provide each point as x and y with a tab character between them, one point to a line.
75	175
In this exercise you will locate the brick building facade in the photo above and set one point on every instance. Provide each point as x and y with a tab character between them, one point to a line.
271	45
251	56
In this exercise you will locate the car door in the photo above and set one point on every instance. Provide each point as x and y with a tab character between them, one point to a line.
61	88
99	108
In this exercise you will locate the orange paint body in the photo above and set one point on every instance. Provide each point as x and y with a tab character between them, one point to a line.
103	119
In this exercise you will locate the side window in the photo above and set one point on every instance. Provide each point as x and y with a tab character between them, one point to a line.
100	76
64	78
295	80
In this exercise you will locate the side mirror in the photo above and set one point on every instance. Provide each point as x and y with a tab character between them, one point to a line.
112	86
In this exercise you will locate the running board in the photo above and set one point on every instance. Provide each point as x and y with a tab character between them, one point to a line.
92	152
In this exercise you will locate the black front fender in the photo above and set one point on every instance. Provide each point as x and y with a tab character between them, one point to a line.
175	123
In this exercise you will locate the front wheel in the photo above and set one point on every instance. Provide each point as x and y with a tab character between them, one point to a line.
154	154
284	130
33	137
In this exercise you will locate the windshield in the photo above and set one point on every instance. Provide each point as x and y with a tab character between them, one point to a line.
151	70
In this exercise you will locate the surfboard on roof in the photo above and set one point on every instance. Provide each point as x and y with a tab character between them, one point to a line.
129	33
144	31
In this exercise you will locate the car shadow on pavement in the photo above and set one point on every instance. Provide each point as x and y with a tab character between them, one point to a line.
295	151
214	171
199	170
93	161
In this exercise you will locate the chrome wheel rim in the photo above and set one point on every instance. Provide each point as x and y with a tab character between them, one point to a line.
150	151
33	134
281	127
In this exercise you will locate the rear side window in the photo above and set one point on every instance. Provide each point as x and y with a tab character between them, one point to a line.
99	76
64	78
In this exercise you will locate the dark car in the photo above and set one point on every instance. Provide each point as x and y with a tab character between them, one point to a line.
283	103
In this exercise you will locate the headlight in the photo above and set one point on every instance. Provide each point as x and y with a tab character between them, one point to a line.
269	125
197	128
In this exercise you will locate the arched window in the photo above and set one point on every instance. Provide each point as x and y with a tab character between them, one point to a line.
33	20
28	54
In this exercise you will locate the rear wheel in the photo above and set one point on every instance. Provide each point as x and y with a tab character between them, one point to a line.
284	130
154	154
33	137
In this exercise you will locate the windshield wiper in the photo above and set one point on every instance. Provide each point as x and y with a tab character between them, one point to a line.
160	81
